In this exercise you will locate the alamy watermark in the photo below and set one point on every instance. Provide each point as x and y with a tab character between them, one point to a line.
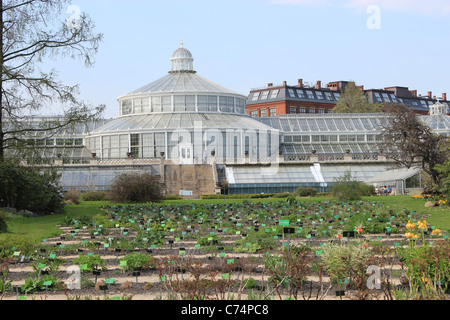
74	21
374	20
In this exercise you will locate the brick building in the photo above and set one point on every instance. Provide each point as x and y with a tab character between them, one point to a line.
274	100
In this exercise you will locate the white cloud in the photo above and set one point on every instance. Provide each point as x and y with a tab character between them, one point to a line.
430	7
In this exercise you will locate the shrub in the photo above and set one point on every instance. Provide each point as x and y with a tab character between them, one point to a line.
29	189
93	196
346	188
92	262
135	187
73	196
24	244
305	192
342	261
138	261
3	225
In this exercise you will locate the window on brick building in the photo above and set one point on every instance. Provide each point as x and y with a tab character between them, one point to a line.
301	94
254	113
321	110
263	113
264	95
319	95
274	94
293	110
291	93
302	110
310	94
273	113
256	96
312	110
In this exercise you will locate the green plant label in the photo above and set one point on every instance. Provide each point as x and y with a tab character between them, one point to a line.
106	245
197	246
153	246
162	279
229	261
109	281
52	256
222	255
83	266
284	223
90	254
226	276
123	263
48	283
41	266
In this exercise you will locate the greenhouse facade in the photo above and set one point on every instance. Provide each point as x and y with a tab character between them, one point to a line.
182	124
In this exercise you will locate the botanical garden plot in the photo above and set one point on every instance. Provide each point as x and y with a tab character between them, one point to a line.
282	250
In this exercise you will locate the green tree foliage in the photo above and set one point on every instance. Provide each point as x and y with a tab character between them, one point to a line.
444	178
135	187
28	189
353	100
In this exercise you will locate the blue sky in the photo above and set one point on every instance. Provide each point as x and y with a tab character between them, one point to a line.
244	44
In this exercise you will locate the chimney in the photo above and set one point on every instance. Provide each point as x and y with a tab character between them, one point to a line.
430	94
361	88
414	93
270	85
319	85
444	97
284	83
300	83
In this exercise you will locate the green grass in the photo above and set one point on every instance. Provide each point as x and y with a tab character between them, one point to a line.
440	216
45	227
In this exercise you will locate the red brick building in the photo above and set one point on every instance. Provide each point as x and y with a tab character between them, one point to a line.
271	101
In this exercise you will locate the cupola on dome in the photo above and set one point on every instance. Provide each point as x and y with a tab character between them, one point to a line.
182	60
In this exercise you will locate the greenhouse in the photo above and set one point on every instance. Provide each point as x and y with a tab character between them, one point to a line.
183	119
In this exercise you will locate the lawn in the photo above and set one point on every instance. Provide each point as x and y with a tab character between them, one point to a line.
45	227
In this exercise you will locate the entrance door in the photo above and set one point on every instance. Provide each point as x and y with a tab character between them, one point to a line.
186	155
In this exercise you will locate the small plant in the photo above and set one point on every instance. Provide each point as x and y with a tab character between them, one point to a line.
92	262
250	284
138	261
38	284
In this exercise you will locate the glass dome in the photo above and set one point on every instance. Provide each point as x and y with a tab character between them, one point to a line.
182	114
182	90
182	60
